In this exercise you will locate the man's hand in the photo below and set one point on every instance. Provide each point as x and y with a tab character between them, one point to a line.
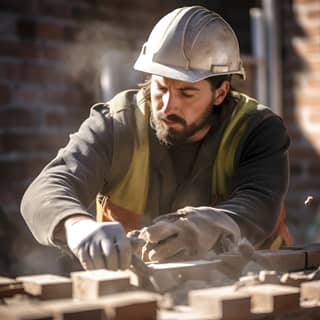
189	233
98	244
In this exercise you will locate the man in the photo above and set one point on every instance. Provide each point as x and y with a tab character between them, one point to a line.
196	163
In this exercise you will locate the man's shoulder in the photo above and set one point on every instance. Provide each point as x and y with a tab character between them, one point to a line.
256	109
124	100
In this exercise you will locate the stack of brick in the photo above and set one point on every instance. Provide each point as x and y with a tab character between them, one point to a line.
103	294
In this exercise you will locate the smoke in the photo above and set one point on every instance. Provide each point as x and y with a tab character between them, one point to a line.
101	58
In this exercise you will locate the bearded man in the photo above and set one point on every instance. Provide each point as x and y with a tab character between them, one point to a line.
188	163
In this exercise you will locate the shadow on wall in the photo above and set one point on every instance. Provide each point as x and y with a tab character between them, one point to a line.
304	158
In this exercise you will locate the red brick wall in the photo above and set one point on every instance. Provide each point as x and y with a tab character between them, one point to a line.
301	110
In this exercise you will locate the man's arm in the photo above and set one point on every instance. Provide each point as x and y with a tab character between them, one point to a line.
261	181
69	183
258	189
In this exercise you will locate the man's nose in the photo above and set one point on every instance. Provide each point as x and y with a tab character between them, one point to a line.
168	103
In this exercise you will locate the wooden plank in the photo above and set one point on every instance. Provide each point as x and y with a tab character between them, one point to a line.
223	303
24	312
47	286
135	305
272	298
97	283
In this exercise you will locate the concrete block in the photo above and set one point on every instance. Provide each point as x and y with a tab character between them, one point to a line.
24	312
267	298
222	303
47	286
97	283
135	305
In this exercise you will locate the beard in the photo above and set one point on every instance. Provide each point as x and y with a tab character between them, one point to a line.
170	136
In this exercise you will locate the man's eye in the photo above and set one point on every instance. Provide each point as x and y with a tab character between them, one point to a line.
186	94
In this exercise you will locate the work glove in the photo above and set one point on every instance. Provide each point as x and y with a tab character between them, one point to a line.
99	244
189	233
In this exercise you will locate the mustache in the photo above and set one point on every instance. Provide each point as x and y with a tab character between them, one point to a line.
171	117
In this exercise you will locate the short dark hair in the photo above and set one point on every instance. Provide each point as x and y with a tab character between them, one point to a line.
216	81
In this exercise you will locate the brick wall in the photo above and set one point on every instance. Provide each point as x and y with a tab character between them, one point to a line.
301	109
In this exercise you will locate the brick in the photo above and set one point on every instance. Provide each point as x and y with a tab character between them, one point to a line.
51	31
47	286
32	72
24	312
16	169
281	260
74	310
313	256
26	28
170	275
33	141
295	279
97	283
183	313
55	9
310	290
10	287
133	305
19	117
223	303
273	298
5	94
305	1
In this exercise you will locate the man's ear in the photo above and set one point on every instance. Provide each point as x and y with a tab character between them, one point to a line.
221	92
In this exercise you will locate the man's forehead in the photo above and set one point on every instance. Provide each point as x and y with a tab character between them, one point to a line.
177	83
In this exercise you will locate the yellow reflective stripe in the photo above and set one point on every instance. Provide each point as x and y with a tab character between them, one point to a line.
223	167
277	243
131	192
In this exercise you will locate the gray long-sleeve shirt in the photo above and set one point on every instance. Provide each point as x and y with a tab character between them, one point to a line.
69	184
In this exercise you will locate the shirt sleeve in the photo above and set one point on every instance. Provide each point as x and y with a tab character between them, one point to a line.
260	182
69	184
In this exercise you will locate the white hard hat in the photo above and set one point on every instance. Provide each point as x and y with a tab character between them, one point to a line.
191	44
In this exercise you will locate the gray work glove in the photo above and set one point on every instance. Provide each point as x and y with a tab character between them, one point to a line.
99	244
189	233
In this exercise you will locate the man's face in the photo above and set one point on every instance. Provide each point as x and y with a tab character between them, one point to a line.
181	111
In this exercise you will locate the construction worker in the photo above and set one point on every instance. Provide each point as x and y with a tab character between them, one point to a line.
190	164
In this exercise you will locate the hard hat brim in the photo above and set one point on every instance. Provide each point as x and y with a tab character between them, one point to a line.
188	75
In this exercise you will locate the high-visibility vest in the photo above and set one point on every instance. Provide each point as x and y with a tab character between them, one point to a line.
127	200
